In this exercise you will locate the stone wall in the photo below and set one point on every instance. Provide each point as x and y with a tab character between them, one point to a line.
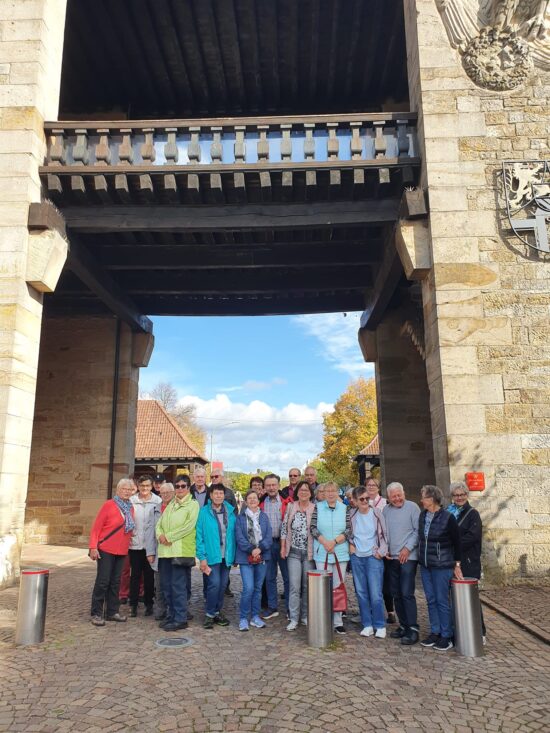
31	41
72	426
486	298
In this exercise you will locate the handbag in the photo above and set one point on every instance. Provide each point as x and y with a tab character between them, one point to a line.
254	560
339	594
184	562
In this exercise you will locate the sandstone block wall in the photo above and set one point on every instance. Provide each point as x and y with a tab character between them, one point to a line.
486	298
72	426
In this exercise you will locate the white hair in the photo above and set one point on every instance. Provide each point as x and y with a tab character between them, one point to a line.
200	469
459	485
125	482
394	486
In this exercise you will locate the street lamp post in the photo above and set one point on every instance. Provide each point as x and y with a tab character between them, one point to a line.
233	422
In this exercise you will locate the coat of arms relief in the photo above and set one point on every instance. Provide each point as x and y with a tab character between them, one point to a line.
500	41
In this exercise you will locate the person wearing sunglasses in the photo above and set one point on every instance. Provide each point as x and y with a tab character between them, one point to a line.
289	492
217	478
176	534
470	529
368	547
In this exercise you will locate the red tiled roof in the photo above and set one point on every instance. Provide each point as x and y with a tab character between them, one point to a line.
159	436
372	449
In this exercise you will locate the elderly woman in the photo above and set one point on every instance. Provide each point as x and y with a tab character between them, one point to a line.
470	529
331	530
176	550
379	502
253	537
166	492
320	494
297	548
109	541
368	547
440	558
143	546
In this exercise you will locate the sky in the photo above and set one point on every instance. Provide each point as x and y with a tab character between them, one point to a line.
260	385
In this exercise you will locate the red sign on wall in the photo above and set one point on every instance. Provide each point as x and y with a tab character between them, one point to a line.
475	480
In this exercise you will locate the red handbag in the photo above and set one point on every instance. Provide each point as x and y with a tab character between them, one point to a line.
339	594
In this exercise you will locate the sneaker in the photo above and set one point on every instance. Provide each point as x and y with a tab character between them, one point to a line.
339	629
292	626
208	622
443	644
97	621
367	631
380	633
258	623
175	626
117	617
398	633
410	638
270	613
221	620
430	640
355	619
163	623
243	625
304	621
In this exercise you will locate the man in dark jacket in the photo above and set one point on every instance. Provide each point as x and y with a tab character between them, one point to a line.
217	478
470	528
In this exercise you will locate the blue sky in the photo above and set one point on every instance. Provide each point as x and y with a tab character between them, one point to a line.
271	378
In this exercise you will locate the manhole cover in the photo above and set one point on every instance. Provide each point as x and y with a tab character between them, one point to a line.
174	642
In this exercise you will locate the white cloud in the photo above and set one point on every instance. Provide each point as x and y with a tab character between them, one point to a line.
337	335
253	385
251	435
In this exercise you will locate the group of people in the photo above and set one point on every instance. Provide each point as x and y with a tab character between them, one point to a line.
299	528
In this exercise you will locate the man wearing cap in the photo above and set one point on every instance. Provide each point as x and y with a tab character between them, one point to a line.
158	480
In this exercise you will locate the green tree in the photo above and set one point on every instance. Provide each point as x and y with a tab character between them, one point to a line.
323	474
348	429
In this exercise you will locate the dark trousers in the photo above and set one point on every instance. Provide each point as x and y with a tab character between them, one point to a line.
402	582
139	564
386	588
274	561
175	582
107	583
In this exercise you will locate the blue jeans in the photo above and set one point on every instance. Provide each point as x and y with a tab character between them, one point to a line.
274	560
252	577
215	588
402	581
368	575
175	582
436	582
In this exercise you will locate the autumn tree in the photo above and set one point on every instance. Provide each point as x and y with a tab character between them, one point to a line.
348	429
184	415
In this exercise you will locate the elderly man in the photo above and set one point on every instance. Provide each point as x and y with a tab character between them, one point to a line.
294	475
217	478
310	475
401	518
274	506
199	491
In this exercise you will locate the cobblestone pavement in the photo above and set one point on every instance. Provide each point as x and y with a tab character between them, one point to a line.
267	680
529	606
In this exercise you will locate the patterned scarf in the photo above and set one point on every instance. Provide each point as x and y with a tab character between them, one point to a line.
454	510
254	531
126	509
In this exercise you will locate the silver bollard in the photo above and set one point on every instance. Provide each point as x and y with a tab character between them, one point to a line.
467	617
31	610
319	608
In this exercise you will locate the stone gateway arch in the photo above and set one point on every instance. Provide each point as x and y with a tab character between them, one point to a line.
220	158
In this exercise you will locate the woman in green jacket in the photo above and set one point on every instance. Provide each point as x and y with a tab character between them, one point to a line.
216	551
176	552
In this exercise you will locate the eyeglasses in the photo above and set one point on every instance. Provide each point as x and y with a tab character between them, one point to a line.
458	496
214	475
181	486
293	475
364	499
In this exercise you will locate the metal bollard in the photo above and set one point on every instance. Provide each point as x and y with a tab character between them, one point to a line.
319	608
31	610
467	617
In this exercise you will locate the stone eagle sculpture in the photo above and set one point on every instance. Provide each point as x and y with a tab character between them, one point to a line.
499	40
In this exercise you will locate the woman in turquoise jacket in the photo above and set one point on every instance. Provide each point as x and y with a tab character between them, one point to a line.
331	529
216	552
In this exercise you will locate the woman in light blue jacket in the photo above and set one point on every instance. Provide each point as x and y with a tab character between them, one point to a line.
331	530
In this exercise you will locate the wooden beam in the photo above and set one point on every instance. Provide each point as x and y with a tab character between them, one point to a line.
229	217
83	265
386	281
45	215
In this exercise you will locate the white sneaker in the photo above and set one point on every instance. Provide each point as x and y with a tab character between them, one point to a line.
304	621
292	626
367	631
380	633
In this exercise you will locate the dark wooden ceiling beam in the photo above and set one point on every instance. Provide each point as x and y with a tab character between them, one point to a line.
184	23
386	281
188	257
205	21
85	267
249	217
169	44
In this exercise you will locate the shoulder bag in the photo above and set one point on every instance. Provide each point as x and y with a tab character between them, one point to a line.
339	594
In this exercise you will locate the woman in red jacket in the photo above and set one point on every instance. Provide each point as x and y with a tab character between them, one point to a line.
109	541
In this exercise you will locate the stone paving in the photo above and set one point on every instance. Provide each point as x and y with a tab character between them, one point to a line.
527	606
267	680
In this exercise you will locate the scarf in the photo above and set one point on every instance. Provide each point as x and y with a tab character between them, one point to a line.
126	509
254	531
223	512
454	510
